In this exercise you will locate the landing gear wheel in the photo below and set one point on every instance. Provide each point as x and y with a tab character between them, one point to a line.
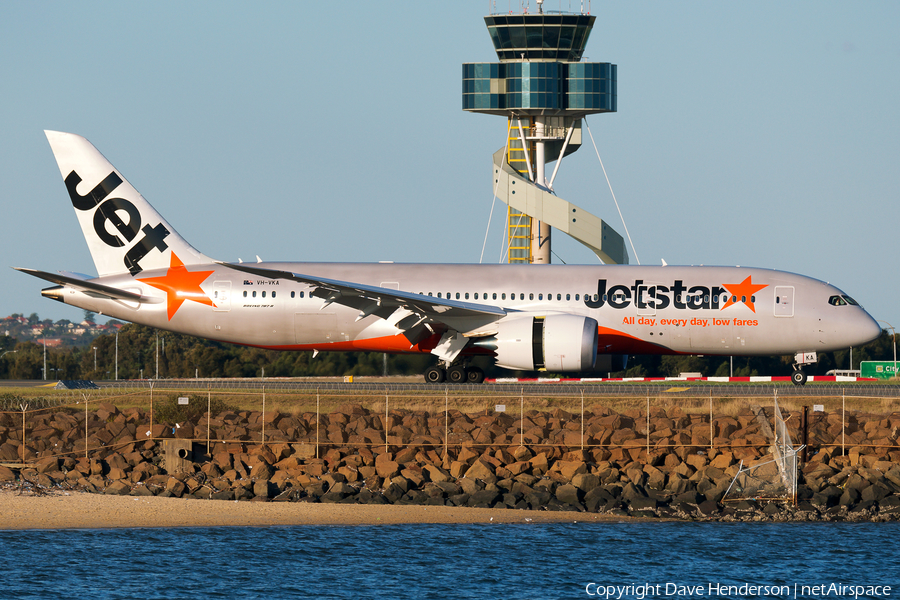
474	375
798	377
434	375
456	374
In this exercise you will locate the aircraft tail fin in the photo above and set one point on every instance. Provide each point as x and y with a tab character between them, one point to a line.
123	231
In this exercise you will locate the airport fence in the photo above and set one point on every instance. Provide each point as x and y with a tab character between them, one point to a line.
93	424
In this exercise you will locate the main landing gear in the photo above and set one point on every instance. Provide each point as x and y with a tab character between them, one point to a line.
801	359
455	374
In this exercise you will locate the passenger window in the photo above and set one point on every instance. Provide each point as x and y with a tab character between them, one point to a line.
531	296
476	295
540	296
568	297
503	296
301	294
576	297
467	295
254	293
245	293
559	296
264	294
457	295
292	294
495	295
273	294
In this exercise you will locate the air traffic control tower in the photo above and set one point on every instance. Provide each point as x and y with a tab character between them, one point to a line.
544	90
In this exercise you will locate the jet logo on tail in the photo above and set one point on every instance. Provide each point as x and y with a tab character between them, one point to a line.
109	211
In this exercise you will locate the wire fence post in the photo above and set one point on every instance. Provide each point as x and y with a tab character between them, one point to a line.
264	414
208	419
386	412
24	407
711	434
151	411
521	417
843	420
446	422
85	425
648	429
582	419
317	422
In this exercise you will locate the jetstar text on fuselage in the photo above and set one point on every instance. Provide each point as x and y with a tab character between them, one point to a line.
678	295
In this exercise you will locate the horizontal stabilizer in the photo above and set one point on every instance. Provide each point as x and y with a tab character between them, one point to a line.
87	286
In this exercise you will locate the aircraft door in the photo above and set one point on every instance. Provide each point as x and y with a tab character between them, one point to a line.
222	296
784	301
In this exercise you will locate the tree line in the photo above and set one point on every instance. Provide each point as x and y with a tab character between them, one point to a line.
144	352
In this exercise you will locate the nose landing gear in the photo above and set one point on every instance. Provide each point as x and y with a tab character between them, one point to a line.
798	377
801	359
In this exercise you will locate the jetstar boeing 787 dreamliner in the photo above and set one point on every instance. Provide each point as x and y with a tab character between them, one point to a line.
555	318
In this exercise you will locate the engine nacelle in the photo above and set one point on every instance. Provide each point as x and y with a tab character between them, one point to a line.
553	343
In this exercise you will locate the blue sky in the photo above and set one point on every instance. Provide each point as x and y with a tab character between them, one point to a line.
760	134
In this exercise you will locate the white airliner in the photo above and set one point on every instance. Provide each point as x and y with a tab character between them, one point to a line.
557	318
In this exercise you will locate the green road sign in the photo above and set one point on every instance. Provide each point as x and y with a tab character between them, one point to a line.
880	369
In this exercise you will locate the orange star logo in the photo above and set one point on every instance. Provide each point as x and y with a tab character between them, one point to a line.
179	284
742	292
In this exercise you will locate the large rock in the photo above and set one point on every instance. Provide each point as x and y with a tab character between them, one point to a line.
118	488
482	470
586	481
48	464
569	494
483	498
569	469
387	469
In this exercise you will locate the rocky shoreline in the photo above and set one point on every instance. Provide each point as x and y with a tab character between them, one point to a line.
548	460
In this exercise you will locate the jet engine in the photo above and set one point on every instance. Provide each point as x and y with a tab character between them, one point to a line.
551	342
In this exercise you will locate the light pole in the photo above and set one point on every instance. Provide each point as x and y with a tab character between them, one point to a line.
95	358
117	354
893	339
7	352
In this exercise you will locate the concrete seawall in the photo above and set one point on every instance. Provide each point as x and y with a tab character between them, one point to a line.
540	460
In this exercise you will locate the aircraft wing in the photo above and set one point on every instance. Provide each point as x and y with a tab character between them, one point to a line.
424	311
89	287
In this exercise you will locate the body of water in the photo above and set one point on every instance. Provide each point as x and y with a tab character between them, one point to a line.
528	561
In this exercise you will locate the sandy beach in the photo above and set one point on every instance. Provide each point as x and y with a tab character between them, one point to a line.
79	510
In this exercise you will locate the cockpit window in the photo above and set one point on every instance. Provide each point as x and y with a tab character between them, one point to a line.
850	300
837	301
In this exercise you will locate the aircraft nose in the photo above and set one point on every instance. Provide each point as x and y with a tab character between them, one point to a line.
866	329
